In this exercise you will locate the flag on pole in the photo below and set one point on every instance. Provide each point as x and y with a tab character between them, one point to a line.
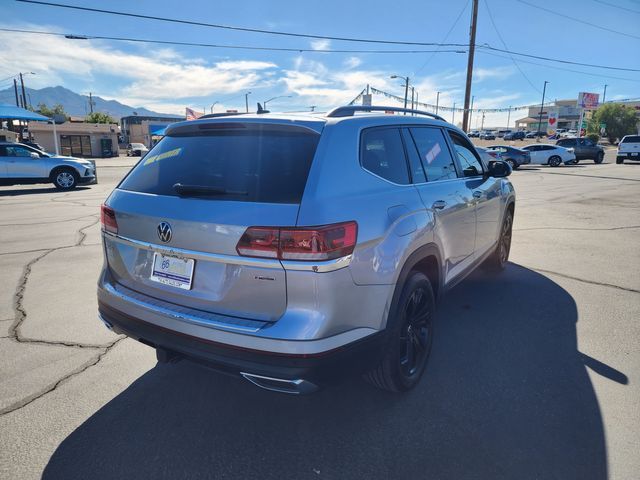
192	114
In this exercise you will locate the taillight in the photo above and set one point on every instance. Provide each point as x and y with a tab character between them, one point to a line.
308	243
108	219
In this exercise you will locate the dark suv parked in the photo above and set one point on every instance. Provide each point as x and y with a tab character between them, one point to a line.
584	148
514	136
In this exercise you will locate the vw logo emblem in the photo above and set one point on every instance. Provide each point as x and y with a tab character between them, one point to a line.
164	232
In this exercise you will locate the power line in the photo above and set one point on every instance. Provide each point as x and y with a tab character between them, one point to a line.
555	67
617	6
486	3
577	20
455	22
213	45
325	37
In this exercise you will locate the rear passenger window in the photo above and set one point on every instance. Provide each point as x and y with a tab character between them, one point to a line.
471	166
382	154
434	153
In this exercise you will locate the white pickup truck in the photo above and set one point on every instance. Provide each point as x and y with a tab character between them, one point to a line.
628	149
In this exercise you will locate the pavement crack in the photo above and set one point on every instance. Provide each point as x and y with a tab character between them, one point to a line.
54	385
592	282
604	229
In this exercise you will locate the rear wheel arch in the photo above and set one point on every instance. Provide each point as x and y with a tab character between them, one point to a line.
427	260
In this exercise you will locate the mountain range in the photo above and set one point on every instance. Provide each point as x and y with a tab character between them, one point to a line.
74	103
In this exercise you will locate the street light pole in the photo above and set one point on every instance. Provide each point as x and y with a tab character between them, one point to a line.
15	89
470	111
24	95
437	102
264	104
604	94
406	88
544	90
213	105
413	93
246	100
509	117
453	114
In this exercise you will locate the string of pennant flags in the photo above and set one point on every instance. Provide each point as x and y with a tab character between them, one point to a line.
441	108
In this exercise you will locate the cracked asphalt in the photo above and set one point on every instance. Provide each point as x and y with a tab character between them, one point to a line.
534	372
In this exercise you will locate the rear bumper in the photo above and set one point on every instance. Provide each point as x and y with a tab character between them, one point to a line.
319	368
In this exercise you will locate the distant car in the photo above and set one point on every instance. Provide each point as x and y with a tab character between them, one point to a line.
513	156
514	136
487	136
488	155
502	133
552	155
136	150
628	149
35	145
584	148
474	134
21	164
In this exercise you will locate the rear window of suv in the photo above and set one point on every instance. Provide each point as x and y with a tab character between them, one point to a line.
234	161
631	139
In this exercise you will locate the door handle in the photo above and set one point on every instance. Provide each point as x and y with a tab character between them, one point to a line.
439	204
477	194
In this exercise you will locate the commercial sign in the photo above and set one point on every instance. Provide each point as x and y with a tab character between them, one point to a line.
588	100
552	122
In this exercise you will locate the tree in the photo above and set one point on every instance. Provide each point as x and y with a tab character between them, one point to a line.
620	120
50	112
99	117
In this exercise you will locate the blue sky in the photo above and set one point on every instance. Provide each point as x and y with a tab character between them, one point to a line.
169	78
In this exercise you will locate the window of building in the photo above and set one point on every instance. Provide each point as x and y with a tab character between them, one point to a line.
75	145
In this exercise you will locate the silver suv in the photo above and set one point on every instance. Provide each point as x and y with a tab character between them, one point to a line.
291	249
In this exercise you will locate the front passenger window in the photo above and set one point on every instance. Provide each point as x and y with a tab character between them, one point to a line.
471	165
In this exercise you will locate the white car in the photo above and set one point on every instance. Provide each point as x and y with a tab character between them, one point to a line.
24	165
628	149
547	154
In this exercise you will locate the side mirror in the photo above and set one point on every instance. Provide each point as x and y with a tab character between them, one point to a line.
499	169
34	155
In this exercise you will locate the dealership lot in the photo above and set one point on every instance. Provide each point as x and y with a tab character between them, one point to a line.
534	373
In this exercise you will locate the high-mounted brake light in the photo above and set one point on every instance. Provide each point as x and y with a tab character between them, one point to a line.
307	243
108	219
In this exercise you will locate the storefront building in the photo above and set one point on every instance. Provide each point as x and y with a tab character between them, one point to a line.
145	129
77	139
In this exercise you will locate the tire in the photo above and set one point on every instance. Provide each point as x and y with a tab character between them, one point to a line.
619	160
555	161
514	165
500	256
599	158
410	329
65	178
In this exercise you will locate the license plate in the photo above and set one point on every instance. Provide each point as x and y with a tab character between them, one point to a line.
173	271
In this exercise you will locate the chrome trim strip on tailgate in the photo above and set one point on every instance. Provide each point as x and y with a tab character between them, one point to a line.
211	257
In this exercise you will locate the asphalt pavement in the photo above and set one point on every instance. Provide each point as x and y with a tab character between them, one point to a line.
534	372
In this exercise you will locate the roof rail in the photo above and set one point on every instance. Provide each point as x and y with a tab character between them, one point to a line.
349	110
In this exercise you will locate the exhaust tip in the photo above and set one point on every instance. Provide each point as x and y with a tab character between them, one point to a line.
293	387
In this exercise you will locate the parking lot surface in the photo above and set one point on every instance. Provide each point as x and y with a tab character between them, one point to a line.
535	372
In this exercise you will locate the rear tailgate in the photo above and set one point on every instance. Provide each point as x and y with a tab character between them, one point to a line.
179	245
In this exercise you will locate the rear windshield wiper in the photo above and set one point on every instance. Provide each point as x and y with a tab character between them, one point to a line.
204	190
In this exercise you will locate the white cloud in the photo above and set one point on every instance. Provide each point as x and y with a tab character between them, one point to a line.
320	44
352	62
158	77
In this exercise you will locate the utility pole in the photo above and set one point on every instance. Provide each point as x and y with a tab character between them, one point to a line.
453	114
24	95
246	101
604	94
482	126
413	94
15	89
544	90
509	117
472	48
90	103
437	102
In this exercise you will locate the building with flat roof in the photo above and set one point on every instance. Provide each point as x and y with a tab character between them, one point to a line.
77	139
145	129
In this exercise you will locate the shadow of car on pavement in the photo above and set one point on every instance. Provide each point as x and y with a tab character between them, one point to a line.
506	395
